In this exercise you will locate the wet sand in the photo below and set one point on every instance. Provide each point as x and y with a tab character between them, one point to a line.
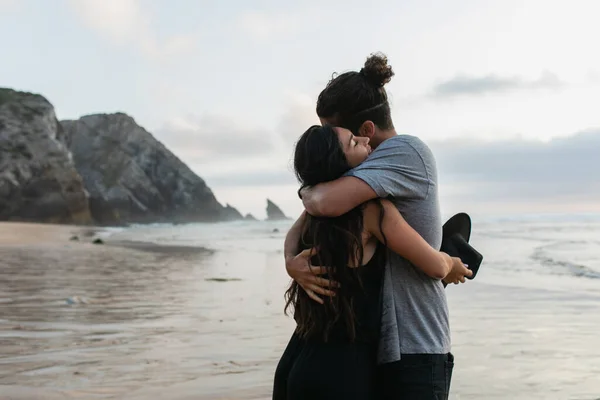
21	234
133	321
79	320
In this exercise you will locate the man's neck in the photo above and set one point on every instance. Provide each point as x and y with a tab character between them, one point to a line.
382	136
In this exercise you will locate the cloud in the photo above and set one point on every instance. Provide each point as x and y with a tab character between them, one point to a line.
463	85
199	139
9	5
126	22
230	154
265	25
563	169
214	138
593	76
299	114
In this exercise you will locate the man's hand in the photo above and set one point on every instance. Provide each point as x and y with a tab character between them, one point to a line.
307	276
310	201
458	273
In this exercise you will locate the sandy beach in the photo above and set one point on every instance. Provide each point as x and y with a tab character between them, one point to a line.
128	320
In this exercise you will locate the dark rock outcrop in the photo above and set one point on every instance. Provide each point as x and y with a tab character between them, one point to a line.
250	217
274	213
38	179
133	178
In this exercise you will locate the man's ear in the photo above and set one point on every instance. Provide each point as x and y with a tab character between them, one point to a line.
367	129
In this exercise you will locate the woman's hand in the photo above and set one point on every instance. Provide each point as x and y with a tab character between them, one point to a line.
458	272
307	276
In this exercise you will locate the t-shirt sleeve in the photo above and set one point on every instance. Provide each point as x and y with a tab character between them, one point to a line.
395	170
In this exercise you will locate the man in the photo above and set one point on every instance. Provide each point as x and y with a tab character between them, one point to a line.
414	350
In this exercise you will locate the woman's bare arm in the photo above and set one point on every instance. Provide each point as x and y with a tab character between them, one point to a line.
405	241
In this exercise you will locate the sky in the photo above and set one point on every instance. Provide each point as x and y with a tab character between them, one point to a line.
505	92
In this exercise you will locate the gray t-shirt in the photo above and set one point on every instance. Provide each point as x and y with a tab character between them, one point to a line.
414	307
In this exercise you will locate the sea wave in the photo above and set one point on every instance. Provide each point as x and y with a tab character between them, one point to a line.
543	255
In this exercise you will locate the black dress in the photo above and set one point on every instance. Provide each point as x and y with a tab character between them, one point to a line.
311	369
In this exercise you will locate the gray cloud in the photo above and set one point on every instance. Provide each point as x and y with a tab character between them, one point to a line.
463	85
564	168
201	139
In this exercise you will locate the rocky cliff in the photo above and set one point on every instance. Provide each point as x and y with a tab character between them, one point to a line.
131	177
274	213
230	213
38	179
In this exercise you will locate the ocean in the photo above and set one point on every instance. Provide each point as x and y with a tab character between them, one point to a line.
558	252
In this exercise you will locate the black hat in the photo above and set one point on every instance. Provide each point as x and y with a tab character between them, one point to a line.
455	242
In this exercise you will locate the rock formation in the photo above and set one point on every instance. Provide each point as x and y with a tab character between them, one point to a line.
131	177
102	169
38	179
274	213
250	217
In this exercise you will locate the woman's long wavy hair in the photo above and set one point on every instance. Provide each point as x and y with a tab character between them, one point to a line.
318	158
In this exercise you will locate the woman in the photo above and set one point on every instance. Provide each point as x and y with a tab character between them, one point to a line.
332	352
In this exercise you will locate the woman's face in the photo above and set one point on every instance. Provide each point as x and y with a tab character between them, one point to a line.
356	148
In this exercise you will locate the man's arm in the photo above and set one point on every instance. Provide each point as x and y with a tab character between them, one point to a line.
299	268
335	198
395	169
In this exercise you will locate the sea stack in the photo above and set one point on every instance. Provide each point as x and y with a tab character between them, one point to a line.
274	213
250	217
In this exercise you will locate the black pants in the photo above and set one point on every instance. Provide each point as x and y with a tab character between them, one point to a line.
416	377
325	371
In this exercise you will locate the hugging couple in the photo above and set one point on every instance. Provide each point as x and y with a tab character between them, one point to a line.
368	283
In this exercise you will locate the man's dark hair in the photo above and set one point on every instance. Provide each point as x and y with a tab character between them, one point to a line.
353	97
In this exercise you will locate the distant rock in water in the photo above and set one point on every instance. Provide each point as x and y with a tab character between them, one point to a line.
274	213
250	217
133	178
38	179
